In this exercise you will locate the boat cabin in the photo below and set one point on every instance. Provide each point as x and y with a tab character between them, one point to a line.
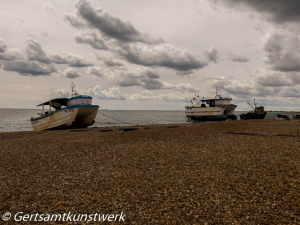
212	102
61	103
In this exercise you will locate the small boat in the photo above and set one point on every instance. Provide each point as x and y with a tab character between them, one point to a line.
258	113
74	112
283	117
214	109
297	116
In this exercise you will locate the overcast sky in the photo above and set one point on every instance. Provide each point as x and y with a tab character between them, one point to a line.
137	54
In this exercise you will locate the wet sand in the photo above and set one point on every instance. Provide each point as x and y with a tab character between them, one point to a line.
164	174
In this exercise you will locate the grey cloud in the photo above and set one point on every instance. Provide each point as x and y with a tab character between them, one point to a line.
185	87
295	78
163	55
48	6
11	55
71	59
44	33
231	86
91	39
151	84
75	21
111	25
142	77
96	71
188	73
122	38
153	74
3	46
273	81
146	95
34	51
29	68
277	11
281	50
70	73
290	92
237	58
112	63
58	93
238	89
270	78
212	54
123	79
112	94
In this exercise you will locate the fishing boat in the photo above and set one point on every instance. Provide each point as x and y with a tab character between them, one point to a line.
213	109
257	113
74	112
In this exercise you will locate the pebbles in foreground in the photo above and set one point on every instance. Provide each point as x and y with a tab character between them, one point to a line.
194	174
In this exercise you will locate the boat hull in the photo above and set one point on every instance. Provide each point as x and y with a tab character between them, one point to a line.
206	113
56	120
229	109
209	118
77	116
85	116
253	116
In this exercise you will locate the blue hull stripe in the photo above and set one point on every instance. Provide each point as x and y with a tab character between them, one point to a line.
68	107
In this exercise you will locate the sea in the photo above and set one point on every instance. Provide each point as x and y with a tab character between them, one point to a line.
12	120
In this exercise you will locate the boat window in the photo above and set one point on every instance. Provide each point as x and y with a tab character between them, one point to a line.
212	103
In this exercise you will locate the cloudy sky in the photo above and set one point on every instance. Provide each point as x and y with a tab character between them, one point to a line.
137	54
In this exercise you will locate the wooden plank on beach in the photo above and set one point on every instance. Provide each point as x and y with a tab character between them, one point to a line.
106	130
262	134
173	126
128	129
79	130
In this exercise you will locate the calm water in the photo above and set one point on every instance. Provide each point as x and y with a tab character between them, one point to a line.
18	119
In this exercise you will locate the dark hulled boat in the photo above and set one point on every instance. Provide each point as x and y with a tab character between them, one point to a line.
258	113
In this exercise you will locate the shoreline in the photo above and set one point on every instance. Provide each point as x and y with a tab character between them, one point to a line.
219	172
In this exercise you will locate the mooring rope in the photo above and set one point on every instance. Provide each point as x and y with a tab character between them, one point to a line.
168	115
18	129
115	119
135	124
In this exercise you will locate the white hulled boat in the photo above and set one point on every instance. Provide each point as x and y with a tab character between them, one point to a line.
74	112
213	109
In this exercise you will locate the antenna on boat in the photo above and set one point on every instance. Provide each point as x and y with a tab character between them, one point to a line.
74	93
217	96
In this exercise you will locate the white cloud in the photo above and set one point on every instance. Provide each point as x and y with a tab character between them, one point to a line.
70	73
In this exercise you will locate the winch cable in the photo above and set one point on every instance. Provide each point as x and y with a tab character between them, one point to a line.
242	108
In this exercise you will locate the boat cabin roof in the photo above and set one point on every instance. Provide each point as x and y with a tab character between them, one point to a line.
63	101
214	99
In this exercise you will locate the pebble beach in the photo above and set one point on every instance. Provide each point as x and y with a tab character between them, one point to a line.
234	172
